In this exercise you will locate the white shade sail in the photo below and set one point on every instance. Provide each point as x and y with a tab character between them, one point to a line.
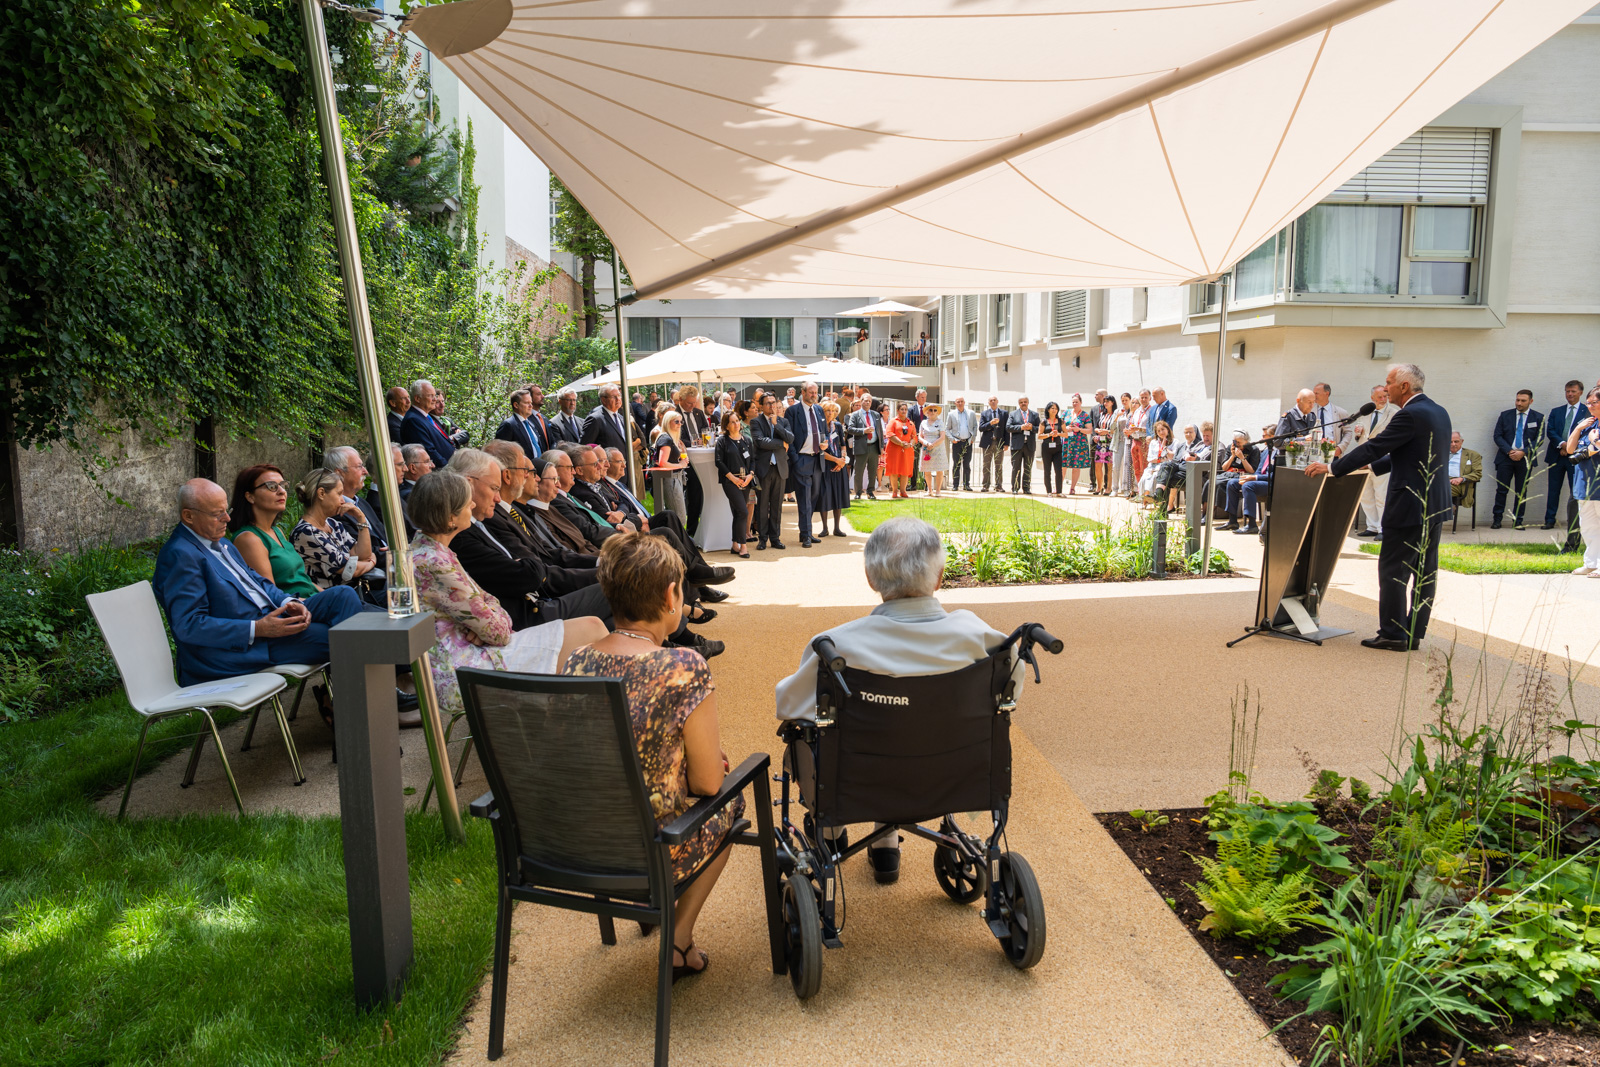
700	358
757	148
848	372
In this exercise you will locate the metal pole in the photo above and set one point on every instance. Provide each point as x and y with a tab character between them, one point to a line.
1223	283
370	381
633	476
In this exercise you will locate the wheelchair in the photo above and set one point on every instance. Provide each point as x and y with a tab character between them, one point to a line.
902	752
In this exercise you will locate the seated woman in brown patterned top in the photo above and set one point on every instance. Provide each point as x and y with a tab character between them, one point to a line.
674	708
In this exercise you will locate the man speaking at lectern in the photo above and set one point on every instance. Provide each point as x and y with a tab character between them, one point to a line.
1414	450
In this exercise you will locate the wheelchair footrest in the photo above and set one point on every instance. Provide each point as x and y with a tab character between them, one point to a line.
999	928
832	942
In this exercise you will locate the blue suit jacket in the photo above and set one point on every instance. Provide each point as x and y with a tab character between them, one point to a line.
209	610
796	418
1414	451
515	431
1556	431
1166	412
1505	434
417	429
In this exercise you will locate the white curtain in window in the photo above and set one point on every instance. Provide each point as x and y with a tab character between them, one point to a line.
1348	248
1253	277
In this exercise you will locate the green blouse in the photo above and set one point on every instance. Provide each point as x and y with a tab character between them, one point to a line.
288	569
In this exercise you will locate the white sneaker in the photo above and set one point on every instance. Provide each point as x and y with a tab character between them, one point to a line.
1584	569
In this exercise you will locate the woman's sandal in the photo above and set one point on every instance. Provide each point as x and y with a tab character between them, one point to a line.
324	704
684	970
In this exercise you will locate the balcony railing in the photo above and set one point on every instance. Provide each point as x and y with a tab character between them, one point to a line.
888	353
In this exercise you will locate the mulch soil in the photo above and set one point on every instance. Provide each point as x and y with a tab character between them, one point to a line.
1162	856
969	582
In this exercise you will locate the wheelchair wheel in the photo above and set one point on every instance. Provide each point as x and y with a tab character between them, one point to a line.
1022	911
802	936
962	880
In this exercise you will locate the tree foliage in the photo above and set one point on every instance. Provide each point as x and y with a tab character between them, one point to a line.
574	230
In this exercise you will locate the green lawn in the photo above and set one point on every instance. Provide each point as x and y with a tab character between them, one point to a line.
205	940
968	514
1501	558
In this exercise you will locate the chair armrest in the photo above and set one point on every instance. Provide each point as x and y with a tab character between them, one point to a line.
688	824
484	807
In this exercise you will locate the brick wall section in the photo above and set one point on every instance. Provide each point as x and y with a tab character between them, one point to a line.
562	289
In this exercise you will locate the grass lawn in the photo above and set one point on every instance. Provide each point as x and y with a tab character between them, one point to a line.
968	515
1502	558
205	940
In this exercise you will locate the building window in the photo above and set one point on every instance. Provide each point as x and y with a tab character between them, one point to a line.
1257	274
969	323
837	337
1348	248
999	319
652	334
767	335
1069	314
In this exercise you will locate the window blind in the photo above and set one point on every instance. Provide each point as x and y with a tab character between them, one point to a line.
1069	313
948	325
1435	165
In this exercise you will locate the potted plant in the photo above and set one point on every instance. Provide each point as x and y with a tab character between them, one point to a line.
1294	449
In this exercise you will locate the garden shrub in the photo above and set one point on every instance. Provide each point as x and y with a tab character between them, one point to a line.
1247	894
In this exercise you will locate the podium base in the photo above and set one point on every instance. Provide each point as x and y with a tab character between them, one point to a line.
1292	633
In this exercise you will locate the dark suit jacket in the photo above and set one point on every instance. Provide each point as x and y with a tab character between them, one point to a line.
796	418
592	531
1557	429
601	428
561	531
511	580
592	497
380	532
991	427
1505	434
513	430
208	609
695	424
1014	426
1414	451
417	429
771	440
566	427
540	539
394	427
643	417
561	578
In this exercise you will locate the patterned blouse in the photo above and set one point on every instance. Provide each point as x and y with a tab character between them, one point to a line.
459	606
663	687
326	552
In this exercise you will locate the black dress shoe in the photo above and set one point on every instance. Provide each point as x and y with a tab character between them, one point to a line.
761	546
706	574
885	865
1370	533
1387	644
406	701
1521	526
1229	525
1251	529
712	596
1495	525
702	616
1548	526
807	544
779	544
1377	537
706	646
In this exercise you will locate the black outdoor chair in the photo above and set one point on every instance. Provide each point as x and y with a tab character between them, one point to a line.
572	821
905	751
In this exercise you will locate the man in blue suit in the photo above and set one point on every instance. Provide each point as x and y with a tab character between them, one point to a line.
399	403
226	618
806	422
418	427
1558	426
520	429
1516	435
1414	450
1162	410
1022	427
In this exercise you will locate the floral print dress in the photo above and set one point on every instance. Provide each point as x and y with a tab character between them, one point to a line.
663	687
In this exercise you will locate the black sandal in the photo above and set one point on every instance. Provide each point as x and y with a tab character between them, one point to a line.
324	704
684	970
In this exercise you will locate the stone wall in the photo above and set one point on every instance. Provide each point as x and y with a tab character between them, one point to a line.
562	290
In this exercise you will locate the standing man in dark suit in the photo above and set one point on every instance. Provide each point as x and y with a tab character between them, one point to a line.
771	436
604	426
1414	450
914	413
1557	428
866	434
399	403
992	445
1516	438
805	456
518	429
567	426
643	417
1022	428
418	427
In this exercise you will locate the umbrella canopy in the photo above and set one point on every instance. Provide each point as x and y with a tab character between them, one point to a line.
755	148
848	372
883	307
699	358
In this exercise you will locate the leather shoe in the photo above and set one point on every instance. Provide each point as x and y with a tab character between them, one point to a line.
1377	537
410	719
1548	526
712	596
779	544
405	701
1387	644
885	865
706	646
1495	525
761	546
705	574
704	615
1251	529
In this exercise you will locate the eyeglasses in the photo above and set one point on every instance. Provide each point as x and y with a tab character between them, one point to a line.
220	514
273	486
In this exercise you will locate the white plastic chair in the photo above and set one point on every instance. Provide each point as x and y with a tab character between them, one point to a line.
131	623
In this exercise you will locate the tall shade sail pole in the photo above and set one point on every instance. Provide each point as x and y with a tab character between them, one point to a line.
1223	285
370	381
634	475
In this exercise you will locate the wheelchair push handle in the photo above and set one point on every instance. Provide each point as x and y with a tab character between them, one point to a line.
829	655
1049	642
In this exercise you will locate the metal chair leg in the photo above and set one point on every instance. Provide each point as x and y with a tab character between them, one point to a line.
222	754
448	728
250	731
664	986
288	740
294	708
501	967
461	764
133	771
194	754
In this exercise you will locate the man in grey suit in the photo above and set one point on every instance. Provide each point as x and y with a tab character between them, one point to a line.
866	433
772	436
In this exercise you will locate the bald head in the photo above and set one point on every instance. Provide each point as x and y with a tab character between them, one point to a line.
399	400
1305	400
203	507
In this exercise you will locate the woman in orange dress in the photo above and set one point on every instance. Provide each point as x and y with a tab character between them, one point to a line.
897	460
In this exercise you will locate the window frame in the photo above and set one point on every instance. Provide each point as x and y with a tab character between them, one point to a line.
1000	324
772	331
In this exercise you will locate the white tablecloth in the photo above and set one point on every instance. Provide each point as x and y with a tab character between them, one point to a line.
716	519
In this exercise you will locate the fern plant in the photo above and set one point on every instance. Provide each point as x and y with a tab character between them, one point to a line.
1246	898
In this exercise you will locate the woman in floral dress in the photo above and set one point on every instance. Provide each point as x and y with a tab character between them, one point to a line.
1076	450
673	707
471	627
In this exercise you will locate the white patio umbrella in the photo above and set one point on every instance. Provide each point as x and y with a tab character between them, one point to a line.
848	372
700	358
884	308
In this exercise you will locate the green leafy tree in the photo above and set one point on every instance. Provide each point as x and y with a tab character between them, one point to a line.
574	230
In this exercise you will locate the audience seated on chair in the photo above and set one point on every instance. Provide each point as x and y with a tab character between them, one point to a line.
673	705
908	635
226	618
260	496
335	553
473	630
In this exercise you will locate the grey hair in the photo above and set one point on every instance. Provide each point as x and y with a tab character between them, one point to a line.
338	457
566	392
546	460
905	558
435	500
413	454
609	388
613	452
1411	374
189	493
507	452
416	388
473	463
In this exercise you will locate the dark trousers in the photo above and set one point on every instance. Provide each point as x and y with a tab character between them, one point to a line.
1560	471
806	477
739	504
1052	463
328	609
1512	475
961	464
1408	573
769	506
694	499
993	460
1022	470
864	468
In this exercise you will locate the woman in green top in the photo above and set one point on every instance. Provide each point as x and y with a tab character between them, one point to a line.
259	497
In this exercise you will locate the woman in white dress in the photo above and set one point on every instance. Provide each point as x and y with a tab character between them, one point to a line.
935	448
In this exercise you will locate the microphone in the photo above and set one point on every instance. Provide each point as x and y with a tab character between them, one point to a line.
1366	409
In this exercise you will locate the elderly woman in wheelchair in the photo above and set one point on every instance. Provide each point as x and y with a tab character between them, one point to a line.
898	719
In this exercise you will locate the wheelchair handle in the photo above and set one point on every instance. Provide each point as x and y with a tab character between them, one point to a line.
1040	636
823	647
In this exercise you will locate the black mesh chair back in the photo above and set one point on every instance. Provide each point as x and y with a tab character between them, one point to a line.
560	759
907	750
